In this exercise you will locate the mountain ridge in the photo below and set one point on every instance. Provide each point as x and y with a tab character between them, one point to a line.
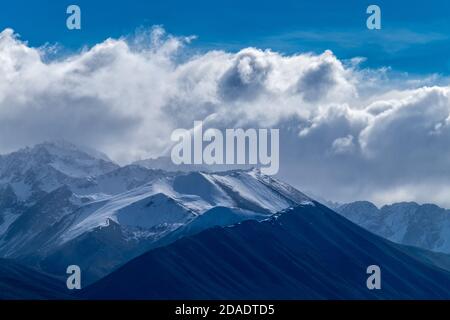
127	208
425	226
19	282
307	252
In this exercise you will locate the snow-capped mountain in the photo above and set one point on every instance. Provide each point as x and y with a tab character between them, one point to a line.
168	207
67	158
33	172
170	200
37	190
425	226
62	205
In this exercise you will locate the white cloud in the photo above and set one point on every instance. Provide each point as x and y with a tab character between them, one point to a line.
343	145
125	96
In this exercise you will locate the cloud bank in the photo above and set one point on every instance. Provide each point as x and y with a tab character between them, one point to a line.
347	132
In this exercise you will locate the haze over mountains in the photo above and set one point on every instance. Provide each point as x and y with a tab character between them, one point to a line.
425	226
254	236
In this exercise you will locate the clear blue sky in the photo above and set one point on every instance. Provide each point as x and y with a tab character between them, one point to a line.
415	35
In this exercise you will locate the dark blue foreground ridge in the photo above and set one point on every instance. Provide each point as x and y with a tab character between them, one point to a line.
308	252
19	282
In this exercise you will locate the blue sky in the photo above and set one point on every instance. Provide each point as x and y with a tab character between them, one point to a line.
414	36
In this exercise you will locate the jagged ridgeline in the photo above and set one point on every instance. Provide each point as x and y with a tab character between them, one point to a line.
63	204
143	232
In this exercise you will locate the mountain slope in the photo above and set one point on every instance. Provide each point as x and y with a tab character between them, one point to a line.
425	226
159	212
309	252
39	186
62	204
20	282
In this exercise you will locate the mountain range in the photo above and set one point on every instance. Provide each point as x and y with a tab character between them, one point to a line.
307	252
156	232
63	205
425	226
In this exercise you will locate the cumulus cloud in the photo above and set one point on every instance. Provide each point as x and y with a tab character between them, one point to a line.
346	133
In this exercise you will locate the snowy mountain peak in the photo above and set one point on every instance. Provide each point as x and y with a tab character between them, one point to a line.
63	147
401	206
367	206
60	155
426	226
58	199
